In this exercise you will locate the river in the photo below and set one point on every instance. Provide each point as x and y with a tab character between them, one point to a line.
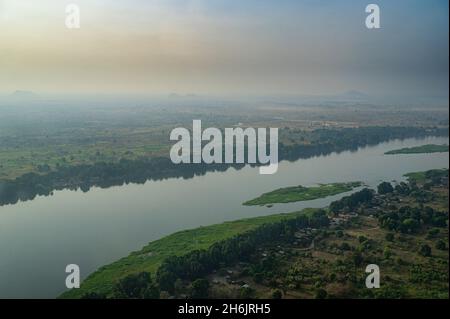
39	238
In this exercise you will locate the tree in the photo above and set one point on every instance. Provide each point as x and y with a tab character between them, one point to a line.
402	188
178	287
409	225
246	292
199	289
389	237
166	280
362	239
425	250
432	233
441	245
385	188
136	286
387	253
277	294
351	202
321	294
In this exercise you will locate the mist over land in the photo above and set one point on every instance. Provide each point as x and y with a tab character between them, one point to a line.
86	176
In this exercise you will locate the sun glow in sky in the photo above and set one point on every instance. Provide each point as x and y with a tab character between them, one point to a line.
224	46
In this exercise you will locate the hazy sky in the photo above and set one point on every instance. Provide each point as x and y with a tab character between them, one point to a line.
224	46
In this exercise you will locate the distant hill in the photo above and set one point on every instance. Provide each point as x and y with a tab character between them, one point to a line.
178	96
353	94
20	94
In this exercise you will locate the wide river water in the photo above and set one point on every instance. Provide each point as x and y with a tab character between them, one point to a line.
39	238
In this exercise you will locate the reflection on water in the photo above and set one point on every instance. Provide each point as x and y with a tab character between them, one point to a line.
39	238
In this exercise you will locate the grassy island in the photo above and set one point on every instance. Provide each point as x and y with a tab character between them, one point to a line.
423	149
302	193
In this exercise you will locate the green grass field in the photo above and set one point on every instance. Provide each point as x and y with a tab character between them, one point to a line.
181	243
301	193
423	149
16	162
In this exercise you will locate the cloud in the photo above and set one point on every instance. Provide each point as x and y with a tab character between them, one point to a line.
219	46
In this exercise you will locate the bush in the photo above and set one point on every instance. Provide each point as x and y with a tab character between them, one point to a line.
199	289
387	253
246	293
139	286
389	237
277	294
425	250
362	239
432	233
385	188
321	294
441	245
357	258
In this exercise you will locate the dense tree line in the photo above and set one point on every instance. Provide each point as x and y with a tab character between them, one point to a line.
326	141
385	188
352	201
133	286
410	220
104	175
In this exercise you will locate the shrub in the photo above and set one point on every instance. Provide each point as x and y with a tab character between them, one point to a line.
441	245
139	286
321	294
385	188
276	294
199	289
425	250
